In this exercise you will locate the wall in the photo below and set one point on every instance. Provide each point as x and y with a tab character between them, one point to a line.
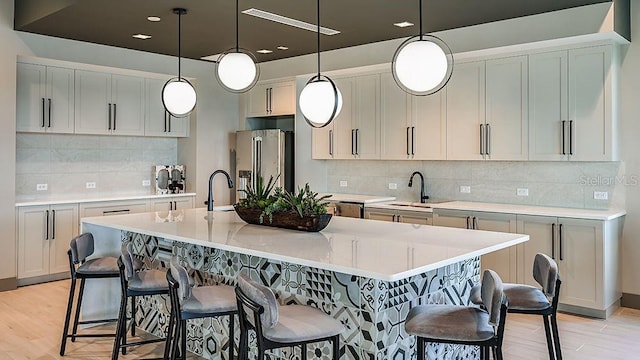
205	150
117	164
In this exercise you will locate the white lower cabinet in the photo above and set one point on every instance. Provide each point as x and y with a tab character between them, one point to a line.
504	262
105	208
171	203
402	216
44	233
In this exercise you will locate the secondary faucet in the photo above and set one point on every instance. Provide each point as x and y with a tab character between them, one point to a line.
210	198
423	195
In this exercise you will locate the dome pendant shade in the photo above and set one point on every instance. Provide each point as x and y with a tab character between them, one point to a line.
178	97
320	101
422	65
237	71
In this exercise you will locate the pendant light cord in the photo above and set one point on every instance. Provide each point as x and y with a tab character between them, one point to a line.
421	20
179	42
318	39
237	27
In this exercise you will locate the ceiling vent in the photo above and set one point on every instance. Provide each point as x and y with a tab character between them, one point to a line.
289	21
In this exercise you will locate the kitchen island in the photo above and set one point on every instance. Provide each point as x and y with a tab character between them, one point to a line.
365	273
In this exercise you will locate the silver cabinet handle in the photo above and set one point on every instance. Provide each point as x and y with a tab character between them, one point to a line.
43	113
481	139
331	142
475	223
46	225
413	140
564	152
553	241
570	142
408	141
49	123
109	117
357	134
487	149
560	238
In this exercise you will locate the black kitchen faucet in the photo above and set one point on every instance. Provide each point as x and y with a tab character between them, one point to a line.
423	195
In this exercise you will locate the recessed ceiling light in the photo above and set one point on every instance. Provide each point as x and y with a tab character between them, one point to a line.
153	18
142	36
283	48
289	21
403	24
264	51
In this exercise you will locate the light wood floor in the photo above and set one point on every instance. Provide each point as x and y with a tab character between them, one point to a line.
31	321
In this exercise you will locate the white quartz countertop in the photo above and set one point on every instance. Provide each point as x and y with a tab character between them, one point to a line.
355	198
376	249
98	199
532	210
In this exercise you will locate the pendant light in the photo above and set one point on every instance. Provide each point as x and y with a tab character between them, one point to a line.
423	64
178	95
320	100
237	70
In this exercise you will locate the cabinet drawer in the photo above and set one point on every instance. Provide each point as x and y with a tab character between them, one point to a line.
105	208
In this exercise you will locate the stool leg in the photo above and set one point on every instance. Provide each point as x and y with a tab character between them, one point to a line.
303	352
556	336
420	348
183	340
78	305
176	339
547	332
65	331
231	335
336	347
133	316
167	344
120	328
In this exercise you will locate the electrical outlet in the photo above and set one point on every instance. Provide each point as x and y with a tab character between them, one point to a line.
42	187
91	185
600	195
465	189
343	183
146	182
393	186
522	192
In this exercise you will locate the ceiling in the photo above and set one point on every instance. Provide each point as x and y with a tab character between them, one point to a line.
209	26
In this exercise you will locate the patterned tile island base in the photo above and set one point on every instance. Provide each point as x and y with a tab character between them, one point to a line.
373	311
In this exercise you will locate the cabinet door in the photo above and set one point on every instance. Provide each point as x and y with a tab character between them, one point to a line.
257	104
33	246
183	202
380	214
414	217
322	142
548	106
127	96
60	91
343	144
465	111
63	224
590	111
580	261
367	117
282	98
394	129
542	237
429	126
156	122
452	218
506	109
92	98
30	98
162	205
502	261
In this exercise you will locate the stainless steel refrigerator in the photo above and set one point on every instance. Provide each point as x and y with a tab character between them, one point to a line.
264	153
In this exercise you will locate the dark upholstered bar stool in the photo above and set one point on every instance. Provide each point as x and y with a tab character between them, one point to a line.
134	283
466	325
80	248
526	299
188	302
281	326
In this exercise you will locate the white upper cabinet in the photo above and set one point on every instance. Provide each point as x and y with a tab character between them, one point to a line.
334	141
429	126
506	128
271	99
395	127
571	105
44	99
157	121
109	104
466	112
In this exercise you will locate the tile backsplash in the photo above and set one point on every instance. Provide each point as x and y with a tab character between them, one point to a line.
564	184
116	164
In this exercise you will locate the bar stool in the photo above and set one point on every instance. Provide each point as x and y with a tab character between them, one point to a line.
281	326
135	283
80	248
526	299
188	302
466	325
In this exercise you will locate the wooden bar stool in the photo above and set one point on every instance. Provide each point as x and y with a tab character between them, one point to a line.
281	326
134	283
466	325
188	302
80	248
526	299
